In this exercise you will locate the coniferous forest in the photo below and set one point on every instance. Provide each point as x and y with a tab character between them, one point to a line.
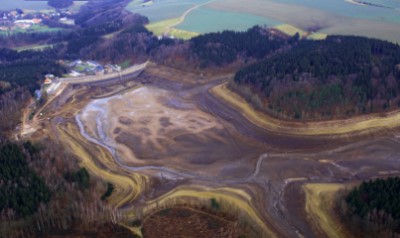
43	191
337	77
21	188
374	206
221	48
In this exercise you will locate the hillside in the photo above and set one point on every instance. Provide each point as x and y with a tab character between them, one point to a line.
60	3
339	77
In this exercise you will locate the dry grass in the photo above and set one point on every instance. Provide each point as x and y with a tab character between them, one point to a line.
290	30
167	27
317	36
182	34
162	27
319	207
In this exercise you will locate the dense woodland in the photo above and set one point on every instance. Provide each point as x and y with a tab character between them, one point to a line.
43	191
337	77
221	48
27	68
21	189
373	208
20	75
22	39
11	105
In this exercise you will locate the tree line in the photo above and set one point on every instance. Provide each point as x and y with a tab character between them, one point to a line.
43	191
336	77
27	68
221	48
21	189
372	209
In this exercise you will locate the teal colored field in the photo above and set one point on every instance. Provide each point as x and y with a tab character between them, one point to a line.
388	3
164	9
204	20
386	13
343	17
157	13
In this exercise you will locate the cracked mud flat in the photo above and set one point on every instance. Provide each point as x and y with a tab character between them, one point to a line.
152	127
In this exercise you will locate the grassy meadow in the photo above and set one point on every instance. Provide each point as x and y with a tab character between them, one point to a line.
162	10
204	20
32	29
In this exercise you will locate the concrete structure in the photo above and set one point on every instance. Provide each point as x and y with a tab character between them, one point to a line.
116	77
74	73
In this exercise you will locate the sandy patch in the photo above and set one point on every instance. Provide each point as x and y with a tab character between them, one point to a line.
359	124
319	206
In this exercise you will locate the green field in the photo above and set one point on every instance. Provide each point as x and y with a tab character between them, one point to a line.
317	17
204	20
32	29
